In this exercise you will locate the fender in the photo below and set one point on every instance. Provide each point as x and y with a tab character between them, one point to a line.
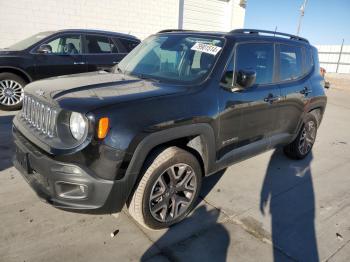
151	141
18	69
122	188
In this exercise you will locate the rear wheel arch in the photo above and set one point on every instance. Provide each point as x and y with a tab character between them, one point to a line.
318	114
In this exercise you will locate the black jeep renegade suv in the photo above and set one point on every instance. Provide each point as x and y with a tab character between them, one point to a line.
182	105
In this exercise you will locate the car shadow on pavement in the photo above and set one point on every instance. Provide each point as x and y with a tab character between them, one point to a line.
199	237
186	242
6	142
289	190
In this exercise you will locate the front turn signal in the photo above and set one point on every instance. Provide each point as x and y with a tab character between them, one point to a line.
103	126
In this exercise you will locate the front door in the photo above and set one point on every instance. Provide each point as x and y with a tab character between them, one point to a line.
249	115
63	59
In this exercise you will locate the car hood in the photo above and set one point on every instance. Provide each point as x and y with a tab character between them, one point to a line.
6	51
89	91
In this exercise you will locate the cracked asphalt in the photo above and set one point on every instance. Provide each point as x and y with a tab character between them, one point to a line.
267	208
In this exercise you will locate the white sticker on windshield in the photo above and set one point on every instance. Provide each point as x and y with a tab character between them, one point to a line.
206	48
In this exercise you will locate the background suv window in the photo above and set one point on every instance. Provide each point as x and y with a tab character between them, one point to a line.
256	57
290	63
98	44
125	45
67	44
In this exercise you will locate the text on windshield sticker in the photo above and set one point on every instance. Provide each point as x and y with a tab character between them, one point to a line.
205	48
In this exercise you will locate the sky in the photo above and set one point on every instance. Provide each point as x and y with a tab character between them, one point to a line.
325	22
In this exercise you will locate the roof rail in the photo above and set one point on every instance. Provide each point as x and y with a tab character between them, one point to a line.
172	30
257	31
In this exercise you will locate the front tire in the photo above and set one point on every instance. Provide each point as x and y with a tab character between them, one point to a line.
11	91
305	140
168	189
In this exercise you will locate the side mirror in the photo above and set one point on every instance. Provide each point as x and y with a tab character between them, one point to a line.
44	49
246	78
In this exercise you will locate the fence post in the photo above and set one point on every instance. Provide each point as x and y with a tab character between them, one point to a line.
341	50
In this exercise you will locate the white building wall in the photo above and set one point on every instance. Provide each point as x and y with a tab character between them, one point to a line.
22	18
213	15
329	56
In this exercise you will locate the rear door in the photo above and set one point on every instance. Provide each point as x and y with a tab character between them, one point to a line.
101	52
294	84
249	115
65	57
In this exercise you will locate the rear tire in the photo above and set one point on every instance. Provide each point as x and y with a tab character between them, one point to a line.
168	189
11	91
305	140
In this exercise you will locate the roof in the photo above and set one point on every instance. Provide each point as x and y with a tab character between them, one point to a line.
244	33
94	31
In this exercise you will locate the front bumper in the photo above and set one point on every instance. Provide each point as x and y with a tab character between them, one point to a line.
64	185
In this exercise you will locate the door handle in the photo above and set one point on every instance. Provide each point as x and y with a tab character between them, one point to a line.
305	91
79	63
115	62
271	98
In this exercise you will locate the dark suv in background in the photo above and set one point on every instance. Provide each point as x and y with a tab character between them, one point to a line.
182	105
57	53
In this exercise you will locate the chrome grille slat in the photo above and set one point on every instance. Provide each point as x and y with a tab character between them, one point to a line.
39	116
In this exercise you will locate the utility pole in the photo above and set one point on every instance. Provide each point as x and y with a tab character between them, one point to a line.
341	51
302	12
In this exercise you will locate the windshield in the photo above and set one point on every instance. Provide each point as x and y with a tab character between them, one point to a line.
173	58
25	43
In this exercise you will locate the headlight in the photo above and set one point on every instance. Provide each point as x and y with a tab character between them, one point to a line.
77	125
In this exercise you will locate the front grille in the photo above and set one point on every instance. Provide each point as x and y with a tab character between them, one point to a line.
39	116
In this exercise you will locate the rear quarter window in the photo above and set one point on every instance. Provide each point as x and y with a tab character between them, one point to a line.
309	61
290	62
126	45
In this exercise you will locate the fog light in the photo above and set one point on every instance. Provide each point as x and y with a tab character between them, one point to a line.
71	190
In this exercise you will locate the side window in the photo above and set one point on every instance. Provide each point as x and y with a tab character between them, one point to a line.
98	44
256	57
309	61
67	44
290	63
126	45
114	47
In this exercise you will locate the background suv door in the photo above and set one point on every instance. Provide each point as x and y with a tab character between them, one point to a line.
101	52
249	115
294	85
65	57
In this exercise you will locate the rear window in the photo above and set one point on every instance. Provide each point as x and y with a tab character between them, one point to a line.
126	45
290	62
98	44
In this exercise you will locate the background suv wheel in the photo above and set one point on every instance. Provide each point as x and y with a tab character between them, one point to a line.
168	189
11	91
303	143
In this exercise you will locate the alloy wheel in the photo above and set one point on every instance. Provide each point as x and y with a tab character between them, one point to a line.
307	137
11	92
173	192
